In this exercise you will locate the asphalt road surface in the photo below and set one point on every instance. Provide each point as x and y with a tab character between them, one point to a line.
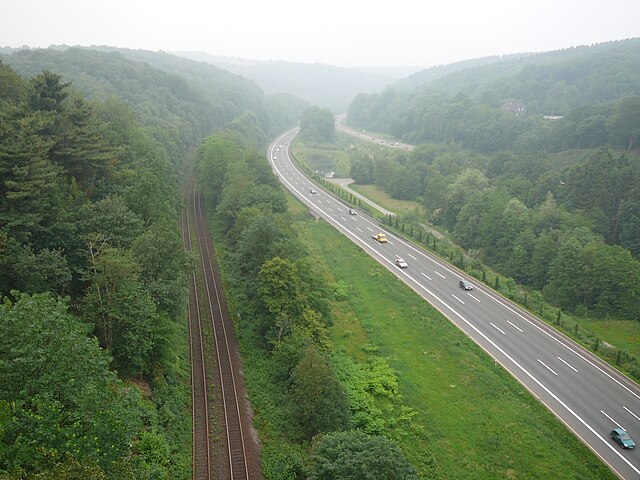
587	395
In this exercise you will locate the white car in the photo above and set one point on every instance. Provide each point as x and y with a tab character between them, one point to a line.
312	191
401	263
352	211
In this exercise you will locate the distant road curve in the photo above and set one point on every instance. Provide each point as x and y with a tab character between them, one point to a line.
367	137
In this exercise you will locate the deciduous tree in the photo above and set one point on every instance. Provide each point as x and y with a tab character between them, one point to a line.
355	455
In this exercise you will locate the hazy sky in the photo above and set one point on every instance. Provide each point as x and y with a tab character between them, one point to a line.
337	32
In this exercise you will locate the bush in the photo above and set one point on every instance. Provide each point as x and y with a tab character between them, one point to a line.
355	455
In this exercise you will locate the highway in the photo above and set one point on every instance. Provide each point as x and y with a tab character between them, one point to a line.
586	394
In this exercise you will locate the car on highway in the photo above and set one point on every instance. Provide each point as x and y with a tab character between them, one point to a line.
313	191
352	211
621	437
401	263
466	285
380	237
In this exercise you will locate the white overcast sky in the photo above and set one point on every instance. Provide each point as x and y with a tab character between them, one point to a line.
337	32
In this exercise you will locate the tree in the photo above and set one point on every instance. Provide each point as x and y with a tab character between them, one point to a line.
22	269
280	290
28	180
212	158
318	400
544	251
48	91
460	191
361	168
256	245
163	266
629	220
624	124
236	193
58	390
13	89
112	219
80	148
318	124
404	183
354	455
514	238
123	314
614	281
382	171
568	277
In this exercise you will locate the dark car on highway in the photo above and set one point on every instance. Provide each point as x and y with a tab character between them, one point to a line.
621	437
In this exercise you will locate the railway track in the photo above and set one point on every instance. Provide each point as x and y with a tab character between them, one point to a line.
201	456
211	307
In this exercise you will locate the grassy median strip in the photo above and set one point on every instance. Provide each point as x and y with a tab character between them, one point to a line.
478	422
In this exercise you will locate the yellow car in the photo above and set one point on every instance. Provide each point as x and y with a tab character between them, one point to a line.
380	237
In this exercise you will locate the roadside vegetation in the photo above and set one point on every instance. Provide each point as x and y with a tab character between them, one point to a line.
338	354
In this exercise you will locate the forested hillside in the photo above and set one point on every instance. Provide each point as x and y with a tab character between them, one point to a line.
180	101
500	106
547	83
93	353
93	285
551	203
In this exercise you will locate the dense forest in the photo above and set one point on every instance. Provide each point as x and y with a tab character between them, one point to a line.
179	101
93	283
546	83
502	105
551	203
93	353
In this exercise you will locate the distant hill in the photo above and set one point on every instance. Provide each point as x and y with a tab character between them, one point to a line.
181	98
548	82
326	86
498	103
422	77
